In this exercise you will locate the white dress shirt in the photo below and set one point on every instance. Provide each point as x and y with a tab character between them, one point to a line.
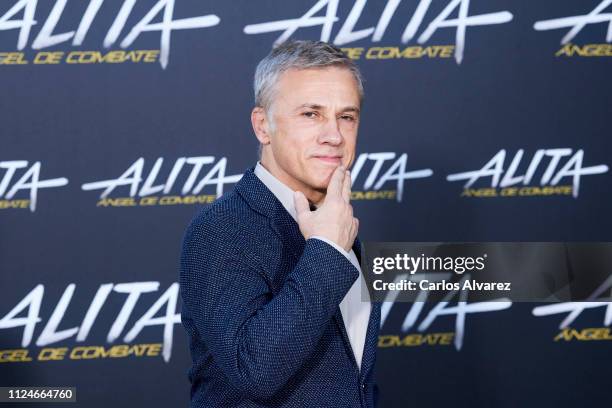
355	312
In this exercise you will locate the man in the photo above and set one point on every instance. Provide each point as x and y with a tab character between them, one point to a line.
270	276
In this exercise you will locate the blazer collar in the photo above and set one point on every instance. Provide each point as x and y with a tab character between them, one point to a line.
257	195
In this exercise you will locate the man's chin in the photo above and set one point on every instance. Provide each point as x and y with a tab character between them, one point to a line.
323	180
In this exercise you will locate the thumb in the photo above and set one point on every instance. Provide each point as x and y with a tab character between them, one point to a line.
301	203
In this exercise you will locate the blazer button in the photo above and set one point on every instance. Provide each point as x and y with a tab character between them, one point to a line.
363	386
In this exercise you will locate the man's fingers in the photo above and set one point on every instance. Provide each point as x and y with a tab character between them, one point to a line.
346	186
301	203
334	188
352	233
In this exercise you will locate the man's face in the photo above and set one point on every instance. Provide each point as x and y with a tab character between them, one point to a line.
316	116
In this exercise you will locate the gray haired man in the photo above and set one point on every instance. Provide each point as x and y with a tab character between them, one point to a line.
270	274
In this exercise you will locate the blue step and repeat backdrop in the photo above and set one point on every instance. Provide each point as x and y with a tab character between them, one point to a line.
483	121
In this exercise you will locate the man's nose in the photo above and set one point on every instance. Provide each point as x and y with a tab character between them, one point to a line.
331	133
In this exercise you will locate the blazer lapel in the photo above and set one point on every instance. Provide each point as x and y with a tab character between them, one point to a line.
371	342
347	343
288	230
340	320
262	200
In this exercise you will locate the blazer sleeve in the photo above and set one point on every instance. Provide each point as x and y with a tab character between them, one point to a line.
259	340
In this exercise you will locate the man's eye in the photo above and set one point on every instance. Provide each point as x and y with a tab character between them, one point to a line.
310	114
348	117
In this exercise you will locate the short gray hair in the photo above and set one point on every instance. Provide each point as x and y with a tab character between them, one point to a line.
297	54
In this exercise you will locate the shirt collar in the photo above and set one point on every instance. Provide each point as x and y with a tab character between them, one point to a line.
282	192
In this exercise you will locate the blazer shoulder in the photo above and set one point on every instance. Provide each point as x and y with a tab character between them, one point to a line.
228	229
224	221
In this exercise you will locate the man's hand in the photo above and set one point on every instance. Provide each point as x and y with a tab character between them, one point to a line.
334	219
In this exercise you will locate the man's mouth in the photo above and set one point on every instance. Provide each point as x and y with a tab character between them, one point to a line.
335	160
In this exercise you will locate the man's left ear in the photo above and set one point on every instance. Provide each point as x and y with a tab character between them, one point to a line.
260	124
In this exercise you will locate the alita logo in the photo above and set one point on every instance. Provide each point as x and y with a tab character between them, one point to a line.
576	24
347	33
575	309
373	171
455	303
20	175
48	37
180	183
540	175
131	294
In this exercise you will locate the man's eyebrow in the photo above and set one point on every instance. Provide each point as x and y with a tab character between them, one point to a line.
351	109
310	106
321	107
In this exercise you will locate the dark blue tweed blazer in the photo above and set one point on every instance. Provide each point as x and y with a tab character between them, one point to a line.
260	307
